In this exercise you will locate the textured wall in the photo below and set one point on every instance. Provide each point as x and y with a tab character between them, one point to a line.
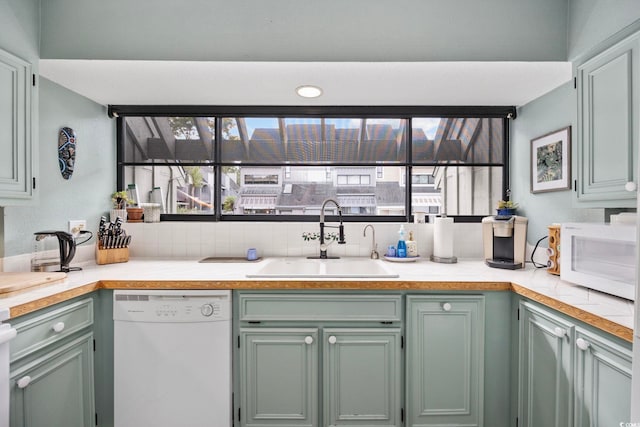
593	21
19	35
20	28
553	111
86	194
304	30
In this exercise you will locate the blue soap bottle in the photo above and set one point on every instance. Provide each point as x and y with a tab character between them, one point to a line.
401	251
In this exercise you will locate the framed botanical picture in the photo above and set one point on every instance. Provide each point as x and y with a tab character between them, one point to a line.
551	161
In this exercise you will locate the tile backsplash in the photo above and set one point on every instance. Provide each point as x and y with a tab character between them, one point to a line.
205	239
196	239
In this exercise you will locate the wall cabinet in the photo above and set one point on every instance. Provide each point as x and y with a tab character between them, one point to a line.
337	372
16	130
445	360
568	375
51	371
608	126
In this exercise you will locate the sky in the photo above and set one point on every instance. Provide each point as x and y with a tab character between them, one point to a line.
428	124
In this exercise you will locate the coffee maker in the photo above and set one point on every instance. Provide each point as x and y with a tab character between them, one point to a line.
505	239
67	249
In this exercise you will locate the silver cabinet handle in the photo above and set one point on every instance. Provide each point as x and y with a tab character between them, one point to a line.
58	327
582	344
332	339
559	332
308	340
630	186
24	381
446	306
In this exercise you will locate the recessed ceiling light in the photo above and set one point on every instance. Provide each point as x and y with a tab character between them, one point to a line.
309	91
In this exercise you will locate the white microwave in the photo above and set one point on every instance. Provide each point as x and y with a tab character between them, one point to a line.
600	257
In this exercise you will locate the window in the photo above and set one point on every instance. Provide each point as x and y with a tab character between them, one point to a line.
423	179
254	179
354	180
234	166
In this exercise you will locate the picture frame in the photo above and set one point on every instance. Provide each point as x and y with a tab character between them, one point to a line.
551	161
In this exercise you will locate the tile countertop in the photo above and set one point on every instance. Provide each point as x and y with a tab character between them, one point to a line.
607	312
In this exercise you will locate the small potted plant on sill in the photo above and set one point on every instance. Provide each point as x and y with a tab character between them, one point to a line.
119	202
507	207
229	204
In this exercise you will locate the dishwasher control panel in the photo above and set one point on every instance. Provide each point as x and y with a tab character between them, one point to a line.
145	306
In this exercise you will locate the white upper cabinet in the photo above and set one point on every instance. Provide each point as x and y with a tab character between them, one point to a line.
608	118
17	180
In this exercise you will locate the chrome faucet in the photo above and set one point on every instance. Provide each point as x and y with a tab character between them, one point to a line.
374	245
341	241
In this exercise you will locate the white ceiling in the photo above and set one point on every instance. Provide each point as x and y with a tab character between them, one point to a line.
274	83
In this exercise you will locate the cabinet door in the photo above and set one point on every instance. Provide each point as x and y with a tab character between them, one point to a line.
545	376
608	102
16	166
445	360
603	381
362	382
279	377
55	389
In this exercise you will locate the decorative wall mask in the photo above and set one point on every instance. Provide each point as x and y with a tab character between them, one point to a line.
66	151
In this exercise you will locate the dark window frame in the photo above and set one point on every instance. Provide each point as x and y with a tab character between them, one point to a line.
400	112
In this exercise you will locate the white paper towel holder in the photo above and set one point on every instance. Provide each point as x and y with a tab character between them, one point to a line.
442	260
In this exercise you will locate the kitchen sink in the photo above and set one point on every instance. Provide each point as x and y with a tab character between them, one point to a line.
313	268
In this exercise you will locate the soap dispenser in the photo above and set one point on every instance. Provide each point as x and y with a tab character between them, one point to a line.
412	246
401	251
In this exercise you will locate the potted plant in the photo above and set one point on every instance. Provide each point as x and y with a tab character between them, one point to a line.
229	204
119	202
507	207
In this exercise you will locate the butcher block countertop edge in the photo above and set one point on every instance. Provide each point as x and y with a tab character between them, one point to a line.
605	312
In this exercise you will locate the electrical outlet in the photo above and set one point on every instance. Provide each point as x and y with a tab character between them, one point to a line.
76	225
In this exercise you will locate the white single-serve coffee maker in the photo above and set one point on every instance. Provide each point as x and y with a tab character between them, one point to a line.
505	241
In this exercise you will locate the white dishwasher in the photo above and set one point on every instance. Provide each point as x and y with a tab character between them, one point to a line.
172	358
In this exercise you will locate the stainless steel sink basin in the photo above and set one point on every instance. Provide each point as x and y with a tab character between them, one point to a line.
318	268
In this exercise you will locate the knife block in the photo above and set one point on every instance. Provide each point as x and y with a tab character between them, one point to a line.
111	256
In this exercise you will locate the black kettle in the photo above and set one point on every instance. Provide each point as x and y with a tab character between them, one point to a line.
67	244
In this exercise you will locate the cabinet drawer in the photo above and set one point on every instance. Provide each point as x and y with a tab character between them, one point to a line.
48	328
286	307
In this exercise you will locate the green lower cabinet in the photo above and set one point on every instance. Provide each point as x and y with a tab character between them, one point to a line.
603	381
362	377
55	388
279	377
545	376
570	375
445	360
